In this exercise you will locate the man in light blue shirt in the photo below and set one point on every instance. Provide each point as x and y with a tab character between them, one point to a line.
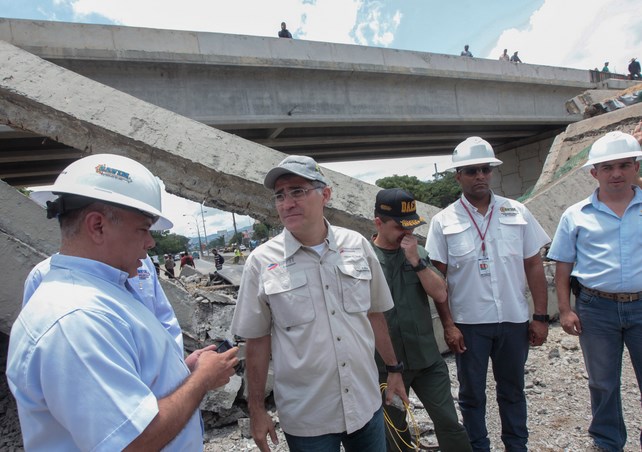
90	366
597	245
146	287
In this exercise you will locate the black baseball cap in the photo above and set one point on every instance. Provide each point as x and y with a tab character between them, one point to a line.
399	205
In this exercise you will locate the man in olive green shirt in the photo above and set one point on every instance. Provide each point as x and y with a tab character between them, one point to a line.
410	279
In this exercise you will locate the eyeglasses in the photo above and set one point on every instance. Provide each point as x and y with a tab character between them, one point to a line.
473	170
297	194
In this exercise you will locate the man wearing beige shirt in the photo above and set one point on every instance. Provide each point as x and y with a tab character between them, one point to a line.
313	297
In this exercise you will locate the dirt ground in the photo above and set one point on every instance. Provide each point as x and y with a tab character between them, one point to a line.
557	393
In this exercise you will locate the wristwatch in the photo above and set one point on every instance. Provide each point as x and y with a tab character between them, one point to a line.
541	318
397	368
420	265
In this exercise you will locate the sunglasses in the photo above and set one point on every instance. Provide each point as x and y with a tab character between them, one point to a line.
473	170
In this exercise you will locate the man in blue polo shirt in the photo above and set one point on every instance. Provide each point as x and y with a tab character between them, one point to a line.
597	245
90	366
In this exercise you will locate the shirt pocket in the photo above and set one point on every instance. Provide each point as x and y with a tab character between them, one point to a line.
289	298
511	242
355	276
461	245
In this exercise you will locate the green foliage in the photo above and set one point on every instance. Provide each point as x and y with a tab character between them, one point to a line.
439	192
168	243
236	239
218	242
261	231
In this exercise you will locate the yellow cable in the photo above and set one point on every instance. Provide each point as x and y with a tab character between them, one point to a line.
392	428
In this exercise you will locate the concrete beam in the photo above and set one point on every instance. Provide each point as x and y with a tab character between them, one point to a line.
194	161
26	238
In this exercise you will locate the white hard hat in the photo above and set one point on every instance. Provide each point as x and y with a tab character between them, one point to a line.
614	146
111	178
473	151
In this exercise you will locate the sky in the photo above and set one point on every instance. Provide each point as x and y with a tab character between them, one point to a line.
570	33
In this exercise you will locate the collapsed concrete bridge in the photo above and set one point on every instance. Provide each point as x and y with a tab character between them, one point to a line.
199	162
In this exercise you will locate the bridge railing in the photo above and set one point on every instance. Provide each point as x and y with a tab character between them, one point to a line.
599	76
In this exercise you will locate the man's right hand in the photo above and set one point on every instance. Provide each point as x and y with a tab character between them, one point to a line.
454	339
219	366
261	424
571	323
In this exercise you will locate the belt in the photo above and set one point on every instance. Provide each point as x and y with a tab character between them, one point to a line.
622	297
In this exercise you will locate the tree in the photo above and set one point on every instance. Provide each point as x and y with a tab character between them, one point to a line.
168	243
261	231
236	239
218	242
440	192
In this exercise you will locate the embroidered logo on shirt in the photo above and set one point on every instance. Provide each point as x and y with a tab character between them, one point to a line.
143	274
511	211
350	251
286	263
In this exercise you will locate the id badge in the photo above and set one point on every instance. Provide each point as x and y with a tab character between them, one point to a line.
484	266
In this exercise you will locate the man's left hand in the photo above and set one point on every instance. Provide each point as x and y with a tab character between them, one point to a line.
537	332
191	360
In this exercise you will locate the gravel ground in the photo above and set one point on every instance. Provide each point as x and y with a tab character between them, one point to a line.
557	393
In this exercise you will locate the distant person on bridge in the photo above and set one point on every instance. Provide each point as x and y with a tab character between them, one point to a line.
504	56
597	245
606	67
515	58
313	298
488	248
284	32
90	366
634	69
466	52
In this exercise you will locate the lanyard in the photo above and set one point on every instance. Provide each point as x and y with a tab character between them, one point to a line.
481	236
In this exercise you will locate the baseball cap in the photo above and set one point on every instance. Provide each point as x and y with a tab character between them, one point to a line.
399	205
299	165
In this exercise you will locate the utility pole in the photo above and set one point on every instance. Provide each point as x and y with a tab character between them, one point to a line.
234	222
198	231
204	231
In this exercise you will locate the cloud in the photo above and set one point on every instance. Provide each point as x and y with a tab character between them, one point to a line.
577	33
322	20
375	26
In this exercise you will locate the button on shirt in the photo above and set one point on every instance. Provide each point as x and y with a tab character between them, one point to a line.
88	362
604	247
315	307
512	236
146	288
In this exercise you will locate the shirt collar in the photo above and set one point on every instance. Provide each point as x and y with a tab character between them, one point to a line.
91	267
472	208
596	203
292	245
